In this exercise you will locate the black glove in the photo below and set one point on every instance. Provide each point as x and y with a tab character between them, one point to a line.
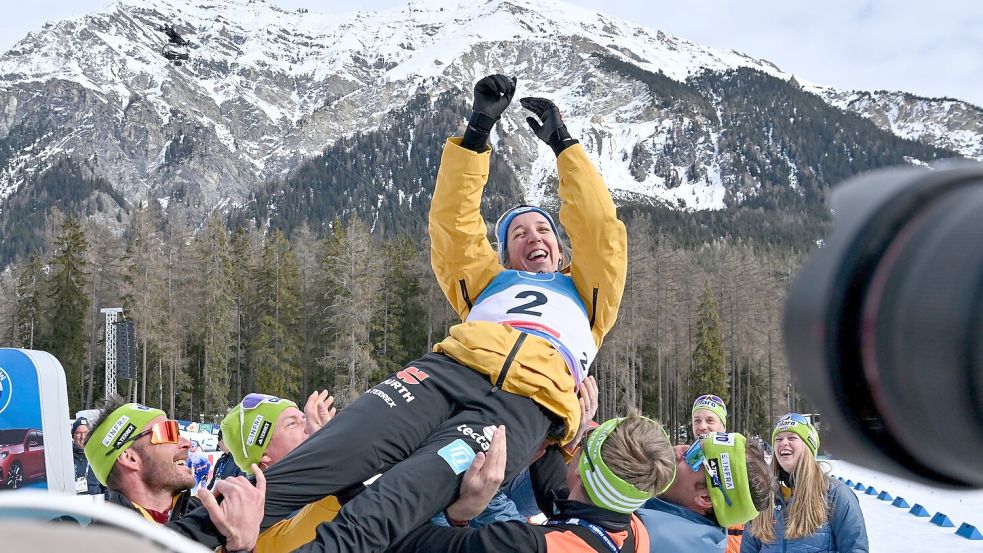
492	95
552	130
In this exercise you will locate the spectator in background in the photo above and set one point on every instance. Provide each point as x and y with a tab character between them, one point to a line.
225	466
199	463
85	481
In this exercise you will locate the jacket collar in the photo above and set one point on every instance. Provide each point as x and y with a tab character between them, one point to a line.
609	520
668	507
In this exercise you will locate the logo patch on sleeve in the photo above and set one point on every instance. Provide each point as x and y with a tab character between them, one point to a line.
458	455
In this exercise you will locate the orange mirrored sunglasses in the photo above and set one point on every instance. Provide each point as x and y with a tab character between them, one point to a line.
161	432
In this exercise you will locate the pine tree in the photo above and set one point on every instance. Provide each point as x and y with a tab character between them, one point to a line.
29	306
244	269
177	315
308	253
216	314
352	285
397	335
143	299
708	374
68	296
275	346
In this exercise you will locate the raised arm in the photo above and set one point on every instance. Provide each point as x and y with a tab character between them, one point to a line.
597	237
463	260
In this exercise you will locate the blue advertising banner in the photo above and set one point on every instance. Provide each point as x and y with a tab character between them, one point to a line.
33	410
21	436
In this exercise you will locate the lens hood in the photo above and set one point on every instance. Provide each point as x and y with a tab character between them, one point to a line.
883	323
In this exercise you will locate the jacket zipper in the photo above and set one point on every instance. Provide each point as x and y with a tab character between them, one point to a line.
593	307
508	362
464	292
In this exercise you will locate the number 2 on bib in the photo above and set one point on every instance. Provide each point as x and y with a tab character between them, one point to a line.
538	299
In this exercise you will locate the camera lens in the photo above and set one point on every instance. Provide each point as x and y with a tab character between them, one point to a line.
883	324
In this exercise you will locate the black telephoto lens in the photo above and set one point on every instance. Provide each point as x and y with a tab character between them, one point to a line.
883	324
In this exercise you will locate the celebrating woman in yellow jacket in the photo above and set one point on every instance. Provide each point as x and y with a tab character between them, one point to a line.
528	336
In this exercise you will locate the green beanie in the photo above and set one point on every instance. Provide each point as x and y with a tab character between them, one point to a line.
110	439
248	428
729	492
713	404
606	489
796	423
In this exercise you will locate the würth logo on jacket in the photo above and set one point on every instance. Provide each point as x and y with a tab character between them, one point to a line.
412	375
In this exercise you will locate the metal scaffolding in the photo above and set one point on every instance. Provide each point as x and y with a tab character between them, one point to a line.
112	315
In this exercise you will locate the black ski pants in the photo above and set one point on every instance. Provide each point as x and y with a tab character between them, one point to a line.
419	428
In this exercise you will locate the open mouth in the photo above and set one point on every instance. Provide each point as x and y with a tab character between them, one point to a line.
537	255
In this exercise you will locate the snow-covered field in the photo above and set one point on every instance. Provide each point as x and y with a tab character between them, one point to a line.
892	529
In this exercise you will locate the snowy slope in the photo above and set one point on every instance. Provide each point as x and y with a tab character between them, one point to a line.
892	529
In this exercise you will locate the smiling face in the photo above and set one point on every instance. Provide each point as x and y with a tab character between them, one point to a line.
165	466
706	421
788	449
289	433
532	245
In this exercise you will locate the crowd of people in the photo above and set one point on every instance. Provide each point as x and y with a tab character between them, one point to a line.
457	451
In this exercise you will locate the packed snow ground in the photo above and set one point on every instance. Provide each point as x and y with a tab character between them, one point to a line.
892	529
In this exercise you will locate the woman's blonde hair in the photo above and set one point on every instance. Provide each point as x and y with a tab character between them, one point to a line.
809	509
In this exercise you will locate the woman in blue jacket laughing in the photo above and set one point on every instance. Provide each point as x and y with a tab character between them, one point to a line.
812	512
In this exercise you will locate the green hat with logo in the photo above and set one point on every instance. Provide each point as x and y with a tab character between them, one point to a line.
713	404
726	475
248	428
113	436
606	489
798	424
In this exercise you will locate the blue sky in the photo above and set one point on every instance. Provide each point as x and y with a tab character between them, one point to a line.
928	48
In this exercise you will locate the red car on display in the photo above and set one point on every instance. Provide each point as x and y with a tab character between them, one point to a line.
21	456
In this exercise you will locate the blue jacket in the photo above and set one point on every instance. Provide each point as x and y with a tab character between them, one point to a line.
843	532
673	529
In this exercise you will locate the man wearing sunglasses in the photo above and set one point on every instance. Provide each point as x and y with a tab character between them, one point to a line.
139	454
721	481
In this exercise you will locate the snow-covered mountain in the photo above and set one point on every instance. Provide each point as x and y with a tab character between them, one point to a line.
264	89
944	122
